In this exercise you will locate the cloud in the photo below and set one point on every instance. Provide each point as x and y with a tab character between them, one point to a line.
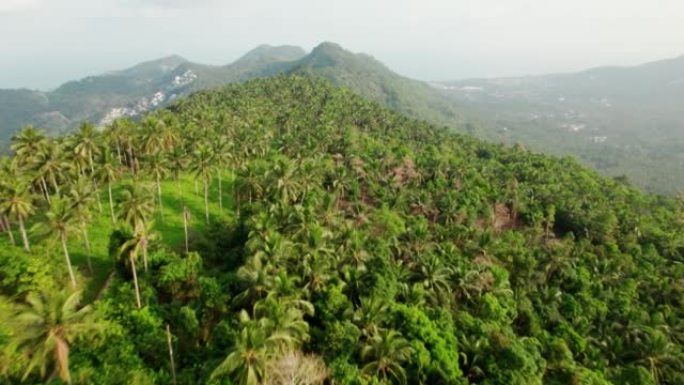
11	6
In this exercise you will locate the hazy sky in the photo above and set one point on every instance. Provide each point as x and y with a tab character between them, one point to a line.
46	42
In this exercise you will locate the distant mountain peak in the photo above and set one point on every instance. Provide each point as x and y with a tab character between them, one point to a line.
329	54
266	52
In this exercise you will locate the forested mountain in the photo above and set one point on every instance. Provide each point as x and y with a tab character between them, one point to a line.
621	120
287	231
151	85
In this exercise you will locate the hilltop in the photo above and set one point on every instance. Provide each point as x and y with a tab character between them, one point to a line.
154	84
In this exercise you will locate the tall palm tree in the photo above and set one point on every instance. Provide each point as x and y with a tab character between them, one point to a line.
85	144
137	244
177	161
81	199
222	157
186	218
46	326
17	203
157	166
385	353
135	204
26	144
49	164
202	167
58	222
135	208
284	183
108	172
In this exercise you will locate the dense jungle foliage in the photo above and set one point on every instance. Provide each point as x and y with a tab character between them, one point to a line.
284	231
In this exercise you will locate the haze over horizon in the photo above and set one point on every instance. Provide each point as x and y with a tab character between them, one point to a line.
433	40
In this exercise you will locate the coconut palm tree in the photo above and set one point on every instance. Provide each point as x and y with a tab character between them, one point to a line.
186	218
248	358
137	244
135	208
177	161
434	277
58	222
26	144
17	203
221	150
202	164
156	165
85	144
81	198
108	172
384	355
136	204
46	326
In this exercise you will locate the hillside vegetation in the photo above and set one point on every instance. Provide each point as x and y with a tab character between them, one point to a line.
620	120
341	243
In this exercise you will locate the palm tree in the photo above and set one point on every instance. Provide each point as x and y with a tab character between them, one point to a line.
45	327
108	172
248	357
157	166
435	277
283	182
49	164
85	144
384	354
81	199
202	165
58	222
135	207
222	157
133	247
26	144
284	319
17	203
186	218
177	160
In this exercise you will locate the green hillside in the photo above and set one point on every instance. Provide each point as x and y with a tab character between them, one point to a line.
620	120
332	240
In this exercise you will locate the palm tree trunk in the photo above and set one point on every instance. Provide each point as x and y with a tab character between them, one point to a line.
6	224
23	234
45	189
232	182
87	245
111	201
68	260
185	227
168	340
145	252
99	200
206	199
90	160
135	282
220	192
54	183
118	152
8	229
161	206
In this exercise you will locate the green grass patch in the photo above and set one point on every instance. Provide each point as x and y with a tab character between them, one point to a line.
170	229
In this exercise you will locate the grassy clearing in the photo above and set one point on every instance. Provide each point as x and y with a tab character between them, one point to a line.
170	229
